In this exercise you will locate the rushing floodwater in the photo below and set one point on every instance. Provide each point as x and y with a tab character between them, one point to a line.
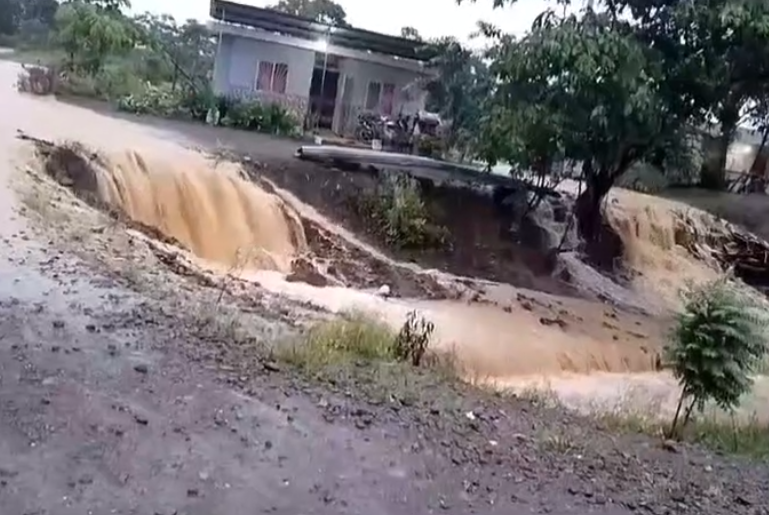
217	214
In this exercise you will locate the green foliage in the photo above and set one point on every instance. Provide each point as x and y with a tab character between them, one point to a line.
457	90
718	343
271	118
582	88
324	11
400	216
178	54
154	100
90	34
21	17
111	82
358	336
575	87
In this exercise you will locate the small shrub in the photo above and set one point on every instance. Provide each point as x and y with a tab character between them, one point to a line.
401	216
154	100
411	343
717	345
197	103
355	336
358	336
255	116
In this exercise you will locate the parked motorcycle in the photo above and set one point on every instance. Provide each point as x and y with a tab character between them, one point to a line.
370	126
398	133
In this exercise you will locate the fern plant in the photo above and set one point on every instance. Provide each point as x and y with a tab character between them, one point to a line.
716	346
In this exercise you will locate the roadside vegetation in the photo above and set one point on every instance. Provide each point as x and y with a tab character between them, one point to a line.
400	216
146	64
715	350
616	94
358	336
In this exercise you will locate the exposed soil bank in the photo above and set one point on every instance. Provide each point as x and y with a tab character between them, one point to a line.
481	243
221	218
206	427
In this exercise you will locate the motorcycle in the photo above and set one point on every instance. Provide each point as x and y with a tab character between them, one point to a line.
370	126
398	133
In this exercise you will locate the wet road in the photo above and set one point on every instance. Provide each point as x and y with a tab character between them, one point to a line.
102	413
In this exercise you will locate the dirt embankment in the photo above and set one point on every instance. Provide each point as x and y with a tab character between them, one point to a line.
218	216
480	244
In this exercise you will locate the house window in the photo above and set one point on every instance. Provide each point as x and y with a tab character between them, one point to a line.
380	97
272	77
372	95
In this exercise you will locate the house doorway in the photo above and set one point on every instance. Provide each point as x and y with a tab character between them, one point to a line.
323	90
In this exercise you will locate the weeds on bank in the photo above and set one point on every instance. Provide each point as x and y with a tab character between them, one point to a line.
360	337
400	216
380	363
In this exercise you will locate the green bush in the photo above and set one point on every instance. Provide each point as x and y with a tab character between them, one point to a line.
255	116
154	100
197	103
358	336
717	345
400	215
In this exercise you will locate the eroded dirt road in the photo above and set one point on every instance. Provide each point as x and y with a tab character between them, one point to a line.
111	404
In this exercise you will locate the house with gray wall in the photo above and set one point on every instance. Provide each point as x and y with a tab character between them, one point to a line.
331	74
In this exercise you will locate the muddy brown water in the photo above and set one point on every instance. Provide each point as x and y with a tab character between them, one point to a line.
231	224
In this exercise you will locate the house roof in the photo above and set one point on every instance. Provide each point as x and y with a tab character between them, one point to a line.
305	28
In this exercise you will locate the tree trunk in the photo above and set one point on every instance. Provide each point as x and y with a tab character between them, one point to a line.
600	246
588	204
714	173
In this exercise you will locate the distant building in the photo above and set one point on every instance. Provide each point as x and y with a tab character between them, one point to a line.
331	73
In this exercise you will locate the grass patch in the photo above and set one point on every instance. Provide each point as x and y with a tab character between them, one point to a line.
358	337
747	437
354	337
740	435
364	356
635	413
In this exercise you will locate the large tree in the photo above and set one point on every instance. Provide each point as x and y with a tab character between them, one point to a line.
326	11
718	53
584	88
174	53
91	31
15	14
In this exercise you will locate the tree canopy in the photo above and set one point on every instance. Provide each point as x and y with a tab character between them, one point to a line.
326	11
411	33
623	81
90	31
458	88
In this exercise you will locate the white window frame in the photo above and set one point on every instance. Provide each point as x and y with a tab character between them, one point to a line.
272	76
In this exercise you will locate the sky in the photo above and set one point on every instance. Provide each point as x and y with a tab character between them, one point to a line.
432	18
